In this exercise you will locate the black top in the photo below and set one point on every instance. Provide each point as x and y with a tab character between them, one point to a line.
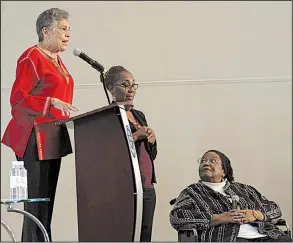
150	148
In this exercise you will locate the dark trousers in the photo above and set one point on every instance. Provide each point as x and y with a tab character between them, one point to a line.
42	177
149	204
283	238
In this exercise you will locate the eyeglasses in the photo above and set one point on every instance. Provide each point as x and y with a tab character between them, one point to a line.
204	160
127	86
64	29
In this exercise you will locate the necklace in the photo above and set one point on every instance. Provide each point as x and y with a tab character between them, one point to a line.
136	124
54	60
132	120
51	55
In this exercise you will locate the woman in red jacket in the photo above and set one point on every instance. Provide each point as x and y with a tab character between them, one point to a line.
42	93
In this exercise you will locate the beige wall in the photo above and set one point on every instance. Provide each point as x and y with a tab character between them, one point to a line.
219	71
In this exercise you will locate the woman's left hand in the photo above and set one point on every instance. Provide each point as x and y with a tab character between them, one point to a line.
251	216
150	135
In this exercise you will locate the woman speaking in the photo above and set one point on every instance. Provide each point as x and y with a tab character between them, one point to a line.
42	92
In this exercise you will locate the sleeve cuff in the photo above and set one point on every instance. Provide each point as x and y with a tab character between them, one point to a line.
47	106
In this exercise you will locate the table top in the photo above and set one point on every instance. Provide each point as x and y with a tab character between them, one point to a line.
29	200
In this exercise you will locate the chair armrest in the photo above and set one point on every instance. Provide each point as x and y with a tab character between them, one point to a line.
172	202
187	235
281	222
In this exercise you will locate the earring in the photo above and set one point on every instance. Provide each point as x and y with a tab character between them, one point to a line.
48	40
114	98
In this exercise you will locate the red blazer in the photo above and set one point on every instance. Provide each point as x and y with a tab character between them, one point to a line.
38	79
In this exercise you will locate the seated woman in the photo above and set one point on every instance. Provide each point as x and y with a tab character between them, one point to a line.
206	206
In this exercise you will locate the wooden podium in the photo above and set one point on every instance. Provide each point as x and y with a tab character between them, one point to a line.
108	182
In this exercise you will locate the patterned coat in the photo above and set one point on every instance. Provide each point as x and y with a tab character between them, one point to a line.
197	203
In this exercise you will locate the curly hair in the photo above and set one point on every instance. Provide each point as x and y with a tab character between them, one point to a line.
226	164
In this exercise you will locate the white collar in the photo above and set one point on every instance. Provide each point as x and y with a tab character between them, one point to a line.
213	184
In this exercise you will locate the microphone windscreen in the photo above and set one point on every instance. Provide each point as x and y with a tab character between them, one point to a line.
76	52
235	198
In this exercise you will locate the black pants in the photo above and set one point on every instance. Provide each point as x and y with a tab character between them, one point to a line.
42	177
283	238
149	204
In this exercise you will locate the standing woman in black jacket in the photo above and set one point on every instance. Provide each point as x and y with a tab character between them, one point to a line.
122	86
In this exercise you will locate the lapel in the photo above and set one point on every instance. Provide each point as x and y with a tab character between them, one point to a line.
138	117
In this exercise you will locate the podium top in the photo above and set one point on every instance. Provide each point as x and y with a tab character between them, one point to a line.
112	105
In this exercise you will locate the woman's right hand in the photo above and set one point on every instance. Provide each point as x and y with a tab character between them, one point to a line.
233	216
66	108
140	134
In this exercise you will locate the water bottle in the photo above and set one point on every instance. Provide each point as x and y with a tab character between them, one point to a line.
15	179
23	174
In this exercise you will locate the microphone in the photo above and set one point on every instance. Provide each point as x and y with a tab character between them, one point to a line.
235	202
93	63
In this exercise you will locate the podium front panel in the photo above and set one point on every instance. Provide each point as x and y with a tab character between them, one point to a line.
138	194
105	179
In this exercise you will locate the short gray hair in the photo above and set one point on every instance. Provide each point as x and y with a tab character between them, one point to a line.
49	18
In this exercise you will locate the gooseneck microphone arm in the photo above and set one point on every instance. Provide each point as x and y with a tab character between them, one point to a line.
104	86
99	67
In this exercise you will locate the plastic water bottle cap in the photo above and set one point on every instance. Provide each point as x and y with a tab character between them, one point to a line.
14	163
21	163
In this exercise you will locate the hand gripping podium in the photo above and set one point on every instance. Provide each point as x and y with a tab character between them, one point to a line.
108	182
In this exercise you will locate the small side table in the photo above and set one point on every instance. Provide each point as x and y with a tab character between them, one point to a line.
10	208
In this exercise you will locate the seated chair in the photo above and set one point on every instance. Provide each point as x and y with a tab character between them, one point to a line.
190	235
